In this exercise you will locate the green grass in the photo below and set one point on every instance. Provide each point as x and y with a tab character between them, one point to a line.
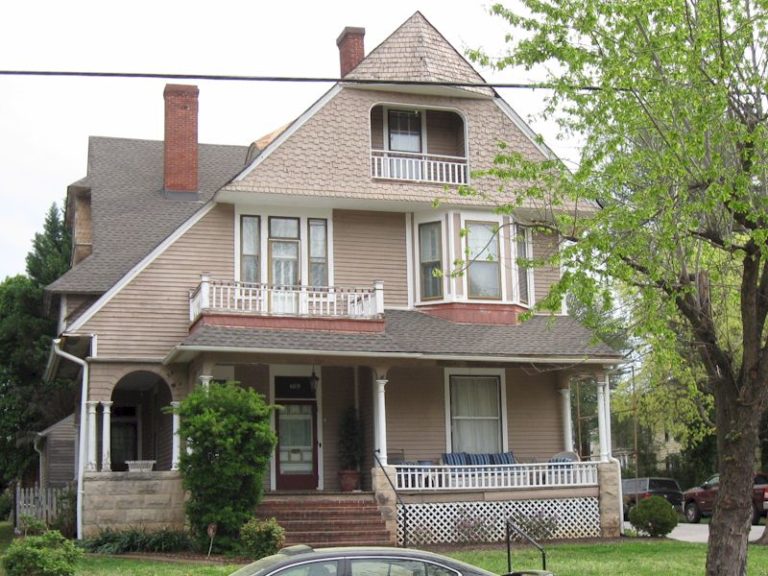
630	557
94	565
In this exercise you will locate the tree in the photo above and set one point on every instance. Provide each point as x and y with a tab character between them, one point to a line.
229	441
26	329
670	99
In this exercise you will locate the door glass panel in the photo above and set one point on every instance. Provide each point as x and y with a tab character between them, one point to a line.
296	439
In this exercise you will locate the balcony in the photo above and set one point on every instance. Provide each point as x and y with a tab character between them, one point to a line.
257	299
432	168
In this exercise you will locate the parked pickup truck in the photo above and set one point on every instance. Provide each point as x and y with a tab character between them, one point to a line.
700	500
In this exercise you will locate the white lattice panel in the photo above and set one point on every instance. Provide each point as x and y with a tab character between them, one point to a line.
466	522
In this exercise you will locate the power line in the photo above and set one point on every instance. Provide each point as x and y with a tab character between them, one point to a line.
294	79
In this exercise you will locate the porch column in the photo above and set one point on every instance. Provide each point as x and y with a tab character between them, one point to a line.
380	414
176	441
602	426
91	464
608	429
565	403
106	436
205	380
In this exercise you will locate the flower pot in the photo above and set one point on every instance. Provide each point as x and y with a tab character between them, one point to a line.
349	480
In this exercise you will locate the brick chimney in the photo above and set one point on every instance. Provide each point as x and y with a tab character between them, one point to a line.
351	48
180	138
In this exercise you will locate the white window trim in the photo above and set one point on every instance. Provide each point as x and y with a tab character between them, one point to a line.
486	217
529	272
276	370
436	218
501	374
276	212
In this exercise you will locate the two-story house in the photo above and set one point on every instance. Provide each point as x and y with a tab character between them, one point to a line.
315	267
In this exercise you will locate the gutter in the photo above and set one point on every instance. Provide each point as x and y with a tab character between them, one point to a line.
83	436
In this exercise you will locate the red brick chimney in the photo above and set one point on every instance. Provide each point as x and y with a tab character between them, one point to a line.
351	48
180	138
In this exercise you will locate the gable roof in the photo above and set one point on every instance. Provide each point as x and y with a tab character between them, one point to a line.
417	51
130	212
416	335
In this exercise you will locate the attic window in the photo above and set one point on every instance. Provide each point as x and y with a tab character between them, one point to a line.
404	131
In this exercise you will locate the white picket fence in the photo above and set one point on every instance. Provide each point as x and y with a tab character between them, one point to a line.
42	503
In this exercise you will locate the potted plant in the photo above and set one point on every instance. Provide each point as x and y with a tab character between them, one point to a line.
350	450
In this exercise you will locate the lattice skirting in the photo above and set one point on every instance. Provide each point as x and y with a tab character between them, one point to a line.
466	522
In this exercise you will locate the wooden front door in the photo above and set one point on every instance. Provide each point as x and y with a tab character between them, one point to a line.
296	425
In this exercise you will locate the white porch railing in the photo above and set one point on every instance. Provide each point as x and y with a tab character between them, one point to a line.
419	167
267	299
496	477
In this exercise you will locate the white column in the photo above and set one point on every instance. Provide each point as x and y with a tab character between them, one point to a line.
380	414
565	404
106	436
601	420
378	289
205	381
176	441
608	430
91	465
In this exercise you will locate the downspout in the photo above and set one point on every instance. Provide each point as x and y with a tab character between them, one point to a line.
83	436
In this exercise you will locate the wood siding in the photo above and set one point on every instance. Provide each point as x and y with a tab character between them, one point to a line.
151	314
377	128
445	133
370	246
60	448
534	420
544	246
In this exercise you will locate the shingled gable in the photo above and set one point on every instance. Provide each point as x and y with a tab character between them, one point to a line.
417	51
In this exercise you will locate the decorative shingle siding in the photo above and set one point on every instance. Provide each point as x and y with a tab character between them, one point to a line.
151	314
370	246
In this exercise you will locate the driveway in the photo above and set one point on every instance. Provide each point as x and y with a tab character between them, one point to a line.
700	532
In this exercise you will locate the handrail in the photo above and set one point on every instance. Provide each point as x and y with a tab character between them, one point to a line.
512	526
397	496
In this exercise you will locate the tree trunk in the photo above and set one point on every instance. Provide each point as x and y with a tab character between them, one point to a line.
737	426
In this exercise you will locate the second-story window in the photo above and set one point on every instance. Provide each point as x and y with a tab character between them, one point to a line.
404	131
318	252
249	249
430	260
483	274
523	254
284	251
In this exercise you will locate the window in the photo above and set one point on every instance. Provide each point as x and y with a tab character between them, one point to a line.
249	249
404	131
318	252
327	568
430	260
483	254
284	251
475	412
523	255
396	567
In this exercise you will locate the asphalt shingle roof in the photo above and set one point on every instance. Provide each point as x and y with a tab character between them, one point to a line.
131	214
412	332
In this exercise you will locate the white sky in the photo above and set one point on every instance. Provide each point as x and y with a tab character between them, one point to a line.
45	121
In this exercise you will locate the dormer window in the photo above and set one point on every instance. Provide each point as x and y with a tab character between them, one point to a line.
418	145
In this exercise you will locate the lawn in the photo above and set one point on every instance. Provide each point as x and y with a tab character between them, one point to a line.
628	557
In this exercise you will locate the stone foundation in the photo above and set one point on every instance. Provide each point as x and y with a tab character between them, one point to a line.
609	476
121	500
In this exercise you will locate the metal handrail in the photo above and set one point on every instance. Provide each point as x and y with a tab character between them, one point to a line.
512	526
397	496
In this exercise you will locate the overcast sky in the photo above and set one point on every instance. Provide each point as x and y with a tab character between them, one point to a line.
45	122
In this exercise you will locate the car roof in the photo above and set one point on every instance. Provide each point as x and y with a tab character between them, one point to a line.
301	553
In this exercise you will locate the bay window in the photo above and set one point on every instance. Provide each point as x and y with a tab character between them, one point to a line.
249	249
483	274
318	252
430	260
523	255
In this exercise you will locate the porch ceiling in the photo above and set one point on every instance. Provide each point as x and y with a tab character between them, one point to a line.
412	334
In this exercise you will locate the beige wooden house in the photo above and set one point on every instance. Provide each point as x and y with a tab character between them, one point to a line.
306	267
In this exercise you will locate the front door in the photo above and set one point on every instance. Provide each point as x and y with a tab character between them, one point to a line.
296	434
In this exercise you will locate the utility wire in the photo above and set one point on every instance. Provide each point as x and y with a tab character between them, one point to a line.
296	79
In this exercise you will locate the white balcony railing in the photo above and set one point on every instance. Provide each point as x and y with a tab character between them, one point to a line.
419	167
279	300
496	477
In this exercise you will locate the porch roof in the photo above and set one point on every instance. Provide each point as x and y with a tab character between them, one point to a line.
412	334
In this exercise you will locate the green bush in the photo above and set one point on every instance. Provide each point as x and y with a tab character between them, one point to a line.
654	516
230	442
48	555
260	538
6	503
32	525
138	540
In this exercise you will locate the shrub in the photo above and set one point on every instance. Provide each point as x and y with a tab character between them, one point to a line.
138	540
6	503
64	521
260	538
654	516
230	443
32	525
48	555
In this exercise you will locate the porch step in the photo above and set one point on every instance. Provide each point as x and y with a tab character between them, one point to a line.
328	520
